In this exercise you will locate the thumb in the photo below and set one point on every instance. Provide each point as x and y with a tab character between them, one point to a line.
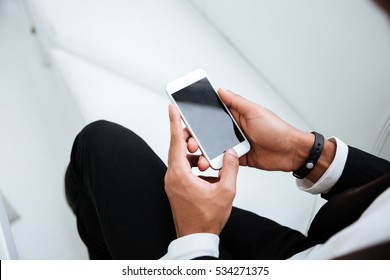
234	101
229	171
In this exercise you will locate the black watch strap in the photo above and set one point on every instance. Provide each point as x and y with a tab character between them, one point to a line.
314	155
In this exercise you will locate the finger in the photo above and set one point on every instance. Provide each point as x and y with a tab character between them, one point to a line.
203	163
229	171
192	145
198	161
178	147
234	101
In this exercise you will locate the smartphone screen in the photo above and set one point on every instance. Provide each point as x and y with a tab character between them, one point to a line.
208	118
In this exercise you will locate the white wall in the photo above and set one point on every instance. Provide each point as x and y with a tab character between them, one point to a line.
38	122
329	59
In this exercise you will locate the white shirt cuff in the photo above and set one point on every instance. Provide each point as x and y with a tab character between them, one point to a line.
193	246
332	175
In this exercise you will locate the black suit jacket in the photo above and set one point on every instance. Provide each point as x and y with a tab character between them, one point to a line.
364	178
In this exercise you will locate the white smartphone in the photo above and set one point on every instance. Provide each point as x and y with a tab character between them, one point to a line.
206	117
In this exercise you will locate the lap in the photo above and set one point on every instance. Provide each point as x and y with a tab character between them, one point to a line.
115	185
124	181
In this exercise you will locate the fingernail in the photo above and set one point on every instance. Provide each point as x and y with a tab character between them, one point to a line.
232	152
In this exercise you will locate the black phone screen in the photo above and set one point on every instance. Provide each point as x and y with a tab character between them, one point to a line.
208	118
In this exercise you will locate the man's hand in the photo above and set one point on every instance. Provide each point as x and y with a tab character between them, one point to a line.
275	144
199	204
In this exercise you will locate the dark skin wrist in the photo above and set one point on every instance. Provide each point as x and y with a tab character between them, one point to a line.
304	144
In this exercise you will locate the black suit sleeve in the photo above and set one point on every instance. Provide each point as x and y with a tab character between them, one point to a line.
363	179
360	168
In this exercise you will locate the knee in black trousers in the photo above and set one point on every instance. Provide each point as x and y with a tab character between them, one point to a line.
115	186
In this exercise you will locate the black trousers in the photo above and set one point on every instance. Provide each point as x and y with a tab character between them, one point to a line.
115	186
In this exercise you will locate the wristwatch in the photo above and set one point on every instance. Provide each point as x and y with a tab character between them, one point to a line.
314	155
